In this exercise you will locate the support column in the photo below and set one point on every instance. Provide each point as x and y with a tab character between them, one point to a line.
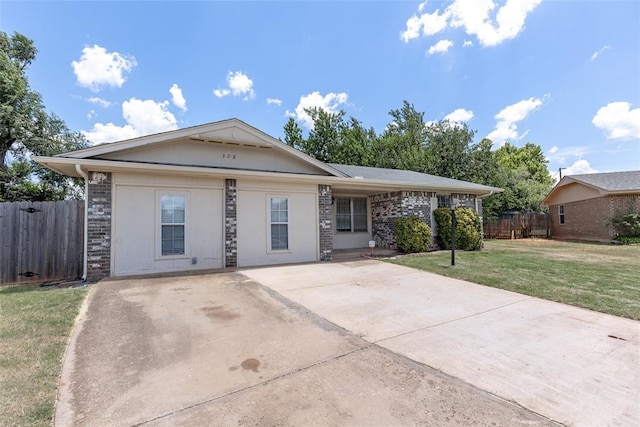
98	226
230	223
325	218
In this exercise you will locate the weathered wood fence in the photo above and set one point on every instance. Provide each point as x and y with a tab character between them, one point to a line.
519	226
41	241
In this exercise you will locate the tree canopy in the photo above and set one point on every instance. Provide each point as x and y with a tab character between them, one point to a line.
442	148
26	129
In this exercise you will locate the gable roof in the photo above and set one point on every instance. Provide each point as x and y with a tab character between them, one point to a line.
117	156
611	181
604	183
230	131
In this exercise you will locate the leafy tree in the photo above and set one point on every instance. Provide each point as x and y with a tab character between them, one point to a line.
356	144
524	177
448	150
293	134
401	146
26	129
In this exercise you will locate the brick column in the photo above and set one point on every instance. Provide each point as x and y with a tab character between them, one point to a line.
325	217
98	226
230	223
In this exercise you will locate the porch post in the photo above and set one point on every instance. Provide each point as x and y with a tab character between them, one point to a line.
325	219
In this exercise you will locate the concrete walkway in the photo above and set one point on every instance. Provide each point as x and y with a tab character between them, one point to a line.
574	366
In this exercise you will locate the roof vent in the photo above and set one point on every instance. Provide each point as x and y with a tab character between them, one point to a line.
358	177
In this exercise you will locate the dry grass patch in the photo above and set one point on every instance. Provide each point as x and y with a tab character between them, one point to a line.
603	278
35	324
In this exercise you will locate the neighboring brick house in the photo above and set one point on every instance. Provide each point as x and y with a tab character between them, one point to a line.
581	206
226	195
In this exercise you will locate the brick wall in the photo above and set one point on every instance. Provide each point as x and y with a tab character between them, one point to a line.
99	226
325	217
230	223
587	219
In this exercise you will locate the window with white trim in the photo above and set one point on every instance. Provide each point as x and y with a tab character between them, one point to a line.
172	224
561	214
279	223
351	214
444	201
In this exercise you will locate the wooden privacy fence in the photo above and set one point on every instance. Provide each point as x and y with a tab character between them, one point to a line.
518	226
41	241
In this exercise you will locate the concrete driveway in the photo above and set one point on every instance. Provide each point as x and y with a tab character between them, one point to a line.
574	366
221	349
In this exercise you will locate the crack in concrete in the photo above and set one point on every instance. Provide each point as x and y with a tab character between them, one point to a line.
265	382
450	321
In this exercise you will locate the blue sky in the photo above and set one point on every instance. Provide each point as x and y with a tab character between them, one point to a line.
561	74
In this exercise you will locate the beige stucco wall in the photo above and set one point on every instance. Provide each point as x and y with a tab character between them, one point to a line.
200	153
135	225
253	241
573	192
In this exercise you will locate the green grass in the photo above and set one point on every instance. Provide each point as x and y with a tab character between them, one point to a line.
603	278
35	324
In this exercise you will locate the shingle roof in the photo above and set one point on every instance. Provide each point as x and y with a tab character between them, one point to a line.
611	181
398	175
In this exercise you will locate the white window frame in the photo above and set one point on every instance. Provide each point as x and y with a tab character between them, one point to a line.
351	214
561	215
159	224
270	249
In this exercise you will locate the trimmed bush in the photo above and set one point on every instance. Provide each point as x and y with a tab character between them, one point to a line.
626	225
468	229
412	234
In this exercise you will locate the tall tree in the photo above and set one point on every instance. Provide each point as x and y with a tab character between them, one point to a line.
523	176
401	146
448	150
26	129
293	134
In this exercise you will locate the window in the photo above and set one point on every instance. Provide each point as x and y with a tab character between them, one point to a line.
172	224
279	218
561	214
444	201
351	214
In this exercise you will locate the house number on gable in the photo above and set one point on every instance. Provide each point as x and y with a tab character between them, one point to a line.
228	156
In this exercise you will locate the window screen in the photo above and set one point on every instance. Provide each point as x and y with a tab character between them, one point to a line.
279	223
172	224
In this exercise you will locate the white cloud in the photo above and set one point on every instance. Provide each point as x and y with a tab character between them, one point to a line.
508	118
98	68
331	102
597	53
91	114
100	101
441	47
459	116
220	93
618	120
274	101
579	167
476	17
564	154
142	118
467	43
239	84
429	23
177	98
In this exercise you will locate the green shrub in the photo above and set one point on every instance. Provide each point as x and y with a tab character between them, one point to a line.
468	229
412	234
626	240
626	225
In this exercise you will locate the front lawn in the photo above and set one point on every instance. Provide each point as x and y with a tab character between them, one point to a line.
603	278
34	327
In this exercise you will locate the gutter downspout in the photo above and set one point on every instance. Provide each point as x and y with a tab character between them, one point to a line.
84	175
